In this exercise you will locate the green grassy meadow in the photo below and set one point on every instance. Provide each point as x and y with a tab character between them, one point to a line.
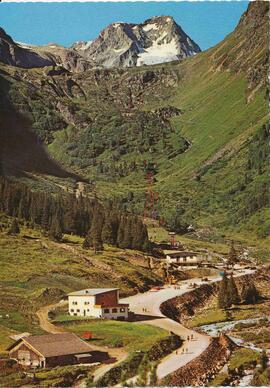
116	333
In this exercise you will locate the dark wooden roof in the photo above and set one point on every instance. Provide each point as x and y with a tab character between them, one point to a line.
52	345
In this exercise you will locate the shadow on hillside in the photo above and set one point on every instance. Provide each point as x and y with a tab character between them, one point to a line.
20	148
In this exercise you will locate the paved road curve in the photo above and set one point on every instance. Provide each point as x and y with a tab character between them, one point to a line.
151	301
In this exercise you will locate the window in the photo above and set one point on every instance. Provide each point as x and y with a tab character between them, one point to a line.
106	311
86	303
122	310
184	259
72	310
88	310
74	302
114	310
78	310
24	355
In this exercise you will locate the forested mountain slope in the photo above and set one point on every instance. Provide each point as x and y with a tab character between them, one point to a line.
199	125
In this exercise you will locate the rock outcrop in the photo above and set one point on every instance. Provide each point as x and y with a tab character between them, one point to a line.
246	50
14	54
157	40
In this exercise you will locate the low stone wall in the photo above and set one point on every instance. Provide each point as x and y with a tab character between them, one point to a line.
184	306
204	367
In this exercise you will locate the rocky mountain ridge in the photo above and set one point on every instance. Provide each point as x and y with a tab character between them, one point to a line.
11	53
157	40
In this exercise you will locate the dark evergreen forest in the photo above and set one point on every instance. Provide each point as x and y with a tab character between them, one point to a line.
58	214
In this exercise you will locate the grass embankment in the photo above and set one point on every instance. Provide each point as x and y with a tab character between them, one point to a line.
115	333
243	358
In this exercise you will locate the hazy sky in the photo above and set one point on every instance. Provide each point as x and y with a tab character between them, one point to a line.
64	23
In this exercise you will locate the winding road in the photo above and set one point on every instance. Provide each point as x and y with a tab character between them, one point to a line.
149	303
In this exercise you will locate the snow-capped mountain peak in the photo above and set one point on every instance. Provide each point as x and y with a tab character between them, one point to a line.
156	40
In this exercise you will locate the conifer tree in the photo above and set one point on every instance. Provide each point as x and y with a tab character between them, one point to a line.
250	294
45	220
96	229
127	236
232	258
224	301
264	360
121	232
87	243
110	228
14	228
55	232
140	235
233	291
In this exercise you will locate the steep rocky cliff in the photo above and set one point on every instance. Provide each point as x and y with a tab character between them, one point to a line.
246	50
157	40
13	54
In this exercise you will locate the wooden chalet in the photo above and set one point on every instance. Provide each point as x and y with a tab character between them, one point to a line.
52	350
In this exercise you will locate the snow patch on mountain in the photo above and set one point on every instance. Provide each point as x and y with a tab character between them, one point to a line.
159	53
150	26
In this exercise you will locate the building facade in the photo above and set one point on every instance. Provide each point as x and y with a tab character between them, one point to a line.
183	258
52	350
98	302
